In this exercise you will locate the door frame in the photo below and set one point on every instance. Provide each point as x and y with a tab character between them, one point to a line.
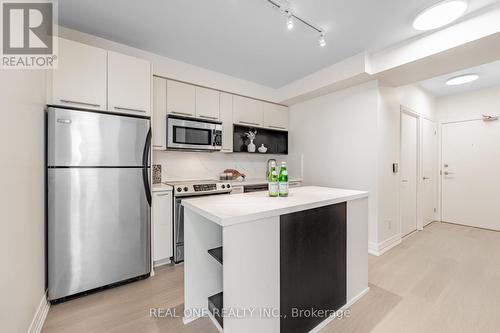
418	118
437	175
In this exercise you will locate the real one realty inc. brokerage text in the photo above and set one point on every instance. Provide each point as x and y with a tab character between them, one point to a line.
241	313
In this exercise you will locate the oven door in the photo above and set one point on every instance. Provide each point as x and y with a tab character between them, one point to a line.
192	134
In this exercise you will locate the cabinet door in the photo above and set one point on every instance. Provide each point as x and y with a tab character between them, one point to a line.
129	84
207	103
159	113
80	77
162	226
247	111
181	99
226	116
275	116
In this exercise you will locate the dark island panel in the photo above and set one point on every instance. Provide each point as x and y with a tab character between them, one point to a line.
313	265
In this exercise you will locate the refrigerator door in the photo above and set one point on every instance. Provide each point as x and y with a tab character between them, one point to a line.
89	139
98	228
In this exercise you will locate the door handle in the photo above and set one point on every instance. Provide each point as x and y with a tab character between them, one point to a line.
446	173
426	178
404	180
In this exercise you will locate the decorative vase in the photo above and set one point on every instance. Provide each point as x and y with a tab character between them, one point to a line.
251	147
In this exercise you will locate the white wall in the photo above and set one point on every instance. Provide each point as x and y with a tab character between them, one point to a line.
389	121
337	135
470	105
22	249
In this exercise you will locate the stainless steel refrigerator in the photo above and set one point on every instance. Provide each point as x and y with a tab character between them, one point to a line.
98	200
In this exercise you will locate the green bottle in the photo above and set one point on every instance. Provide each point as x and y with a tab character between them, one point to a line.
283	181
273	181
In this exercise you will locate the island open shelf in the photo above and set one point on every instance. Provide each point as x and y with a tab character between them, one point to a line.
217	254
308	250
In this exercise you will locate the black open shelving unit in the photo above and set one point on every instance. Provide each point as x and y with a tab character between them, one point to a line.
275	141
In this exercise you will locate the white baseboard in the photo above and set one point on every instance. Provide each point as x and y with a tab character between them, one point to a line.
40	316
378	249
328	320
162	262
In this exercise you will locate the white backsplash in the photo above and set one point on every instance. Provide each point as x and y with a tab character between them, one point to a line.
178	165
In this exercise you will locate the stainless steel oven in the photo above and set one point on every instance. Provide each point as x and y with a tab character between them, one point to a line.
184	190
193	134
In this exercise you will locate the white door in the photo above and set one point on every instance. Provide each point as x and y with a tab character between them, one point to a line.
429	171
471	173
129	84
409	170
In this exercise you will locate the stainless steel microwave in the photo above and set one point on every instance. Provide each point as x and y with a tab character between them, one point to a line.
193	134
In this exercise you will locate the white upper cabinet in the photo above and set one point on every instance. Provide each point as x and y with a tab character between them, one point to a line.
129	84
80	77
159	113
181	99
207	103
275	116
226	116
247	111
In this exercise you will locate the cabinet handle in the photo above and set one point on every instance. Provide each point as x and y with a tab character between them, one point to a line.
128	109
182	113
162	195
249	123
79	103
208	117
158	146
278	127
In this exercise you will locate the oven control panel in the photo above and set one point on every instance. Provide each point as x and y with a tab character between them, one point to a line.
186	189
205	187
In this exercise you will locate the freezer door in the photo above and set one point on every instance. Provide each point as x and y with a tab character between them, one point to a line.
98	228
83	138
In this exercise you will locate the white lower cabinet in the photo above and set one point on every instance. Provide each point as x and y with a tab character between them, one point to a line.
162	227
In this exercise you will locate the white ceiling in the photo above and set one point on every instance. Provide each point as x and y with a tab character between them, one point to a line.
248	39
489	76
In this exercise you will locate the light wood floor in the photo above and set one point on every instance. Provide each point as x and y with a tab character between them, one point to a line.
443	279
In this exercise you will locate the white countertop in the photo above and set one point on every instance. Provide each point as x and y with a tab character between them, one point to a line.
227	210
161	187
255	181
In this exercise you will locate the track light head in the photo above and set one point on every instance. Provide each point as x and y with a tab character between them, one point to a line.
322	40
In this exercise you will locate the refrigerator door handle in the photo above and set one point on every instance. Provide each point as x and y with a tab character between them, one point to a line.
145	168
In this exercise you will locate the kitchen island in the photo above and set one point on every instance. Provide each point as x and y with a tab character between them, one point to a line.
259	264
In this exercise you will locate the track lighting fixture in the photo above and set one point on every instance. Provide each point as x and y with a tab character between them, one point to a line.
284	8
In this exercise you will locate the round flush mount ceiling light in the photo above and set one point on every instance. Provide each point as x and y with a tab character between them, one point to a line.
440	14
462	79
